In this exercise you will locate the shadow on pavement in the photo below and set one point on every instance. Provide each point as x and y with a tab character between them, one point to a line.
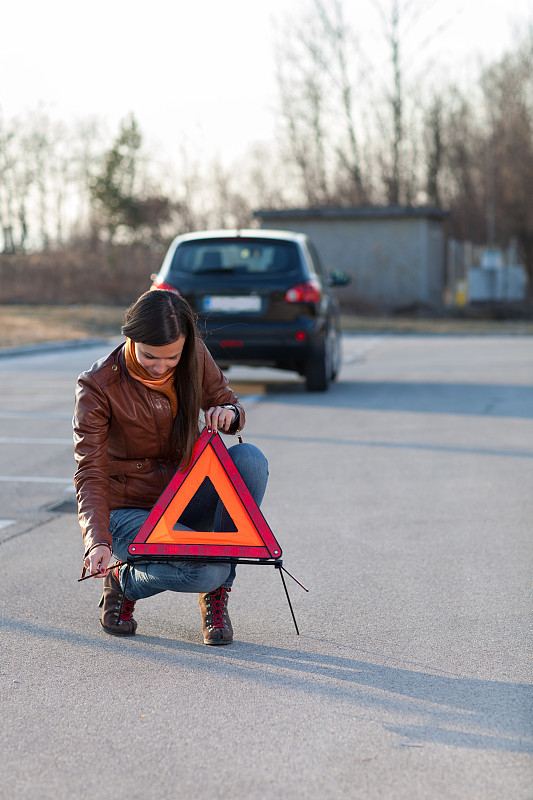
449	706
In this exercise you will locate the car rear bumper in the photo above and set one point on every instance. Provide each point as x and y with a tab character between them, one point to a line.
264	344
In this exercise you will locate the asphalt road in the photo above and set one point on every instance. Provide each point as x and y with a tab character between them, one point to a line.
402	499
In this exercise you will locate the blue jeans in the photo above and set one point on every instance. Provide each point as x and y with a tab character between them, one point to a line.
205	512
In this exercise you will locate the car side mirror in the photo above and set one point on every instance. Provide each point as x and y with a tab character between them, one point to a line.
339	278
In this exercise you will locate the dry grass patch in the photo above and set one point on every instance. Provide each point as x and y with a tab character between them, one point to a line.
21	324
445	325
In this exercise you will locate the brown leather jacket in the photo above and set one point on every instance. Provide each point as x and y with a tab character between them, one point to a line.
122	434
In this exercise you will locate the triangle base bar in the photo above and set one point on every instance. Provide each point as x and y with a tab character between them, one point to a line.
188	552
132	560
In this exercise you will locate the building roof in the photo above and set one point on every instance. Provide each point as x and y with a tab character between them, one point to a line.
353	212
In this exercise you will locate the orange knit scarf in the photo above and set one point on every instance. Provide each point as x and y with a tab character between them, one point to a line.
164	384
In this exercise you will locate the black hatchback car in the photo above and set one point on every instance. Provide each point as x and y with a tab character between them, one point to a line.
263	298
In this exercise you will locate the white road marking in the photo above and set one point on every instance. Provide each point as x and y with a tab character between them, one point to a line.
358	347
5	522
36	479
34	415
22	440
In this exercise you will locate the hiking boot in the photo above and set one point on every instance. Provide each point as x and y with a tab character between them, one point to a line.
110	604
216	623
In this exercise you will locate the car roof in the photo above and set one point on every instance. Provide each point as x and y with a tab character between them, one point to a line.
252	233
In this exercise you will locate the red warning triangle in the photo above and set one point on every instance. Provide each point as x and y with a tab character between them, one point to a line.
252	538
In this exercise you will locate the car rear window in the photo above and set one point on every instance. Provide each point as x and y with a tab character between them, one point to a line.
257	256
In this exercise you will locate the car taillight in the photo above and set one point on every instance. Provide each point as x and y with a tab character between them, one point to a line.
308	292
162	285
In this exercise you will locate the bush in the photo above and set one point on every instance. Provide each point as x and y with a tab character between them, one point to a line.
114	275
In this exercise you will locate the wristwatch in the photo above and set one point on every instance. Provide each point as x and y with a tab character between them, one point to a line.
235	412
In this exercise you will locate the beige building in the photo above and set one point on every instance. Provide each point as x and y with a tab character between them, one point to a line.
395	255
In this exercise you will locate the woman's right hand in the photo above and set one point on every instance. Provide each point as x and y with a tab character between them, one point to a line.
97	560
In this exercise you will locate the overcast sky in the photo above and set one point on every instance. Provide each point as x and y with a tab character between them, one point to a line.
195	72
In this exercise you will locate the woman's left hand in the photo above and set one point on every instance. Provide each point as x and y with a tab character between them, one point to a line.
218	418
97	560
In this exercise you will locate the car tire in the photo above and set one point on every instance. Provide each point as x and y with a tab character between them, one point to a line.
318	370
335	352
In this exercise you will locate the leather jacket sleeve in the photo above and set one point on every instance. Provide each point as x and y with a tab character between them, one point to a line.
91	425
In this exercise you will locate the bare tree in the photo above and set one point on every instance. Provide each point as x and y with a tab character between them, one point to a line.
508	90
317	102
341	42
435	151
38	145
302	106
392	172
7	164
333	118
400	126
230	208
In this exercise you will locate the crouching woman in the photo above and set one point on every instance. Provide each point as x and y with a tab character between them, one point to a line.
136	421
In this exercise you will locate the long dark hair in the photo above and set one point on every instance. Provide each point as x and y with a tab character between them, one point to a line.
158	318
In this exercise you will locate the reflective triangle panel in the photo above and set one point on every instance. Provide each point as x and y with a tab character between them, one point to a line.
162	536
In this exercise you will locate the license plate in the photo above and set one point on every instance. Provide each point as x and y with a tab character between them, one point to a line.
232	304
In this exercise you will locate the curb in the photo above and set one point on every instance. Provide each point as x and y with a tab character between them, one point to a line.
46	347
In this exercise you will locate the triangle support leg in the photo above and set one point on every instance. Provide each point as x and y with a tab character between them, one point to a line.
294	579
280	568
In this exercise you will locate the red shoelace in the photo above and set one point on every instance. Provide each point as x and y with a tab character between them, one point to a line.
217	606
126	615
127	610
